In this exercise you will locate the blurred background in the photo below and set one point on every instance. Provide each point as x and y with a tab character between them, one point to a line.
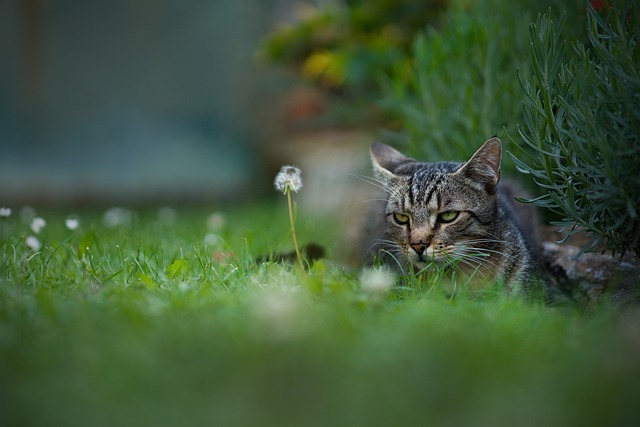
169	101
137	101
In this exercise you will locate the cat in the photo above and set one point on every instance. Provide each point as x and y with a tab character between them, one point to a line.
452	216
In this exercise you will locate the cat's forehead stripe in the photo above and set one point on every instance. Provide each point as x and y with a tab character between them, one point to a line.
410	186
424	188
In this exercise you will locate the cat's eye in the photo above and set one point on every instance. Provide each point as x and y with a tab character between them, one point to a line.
448	216
400	218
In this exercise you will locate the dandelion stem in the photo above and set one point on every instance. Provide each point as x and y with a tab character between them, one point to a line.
293	229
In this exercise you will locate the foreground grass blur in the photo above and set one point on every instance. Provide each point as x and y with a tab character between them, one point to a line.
160	320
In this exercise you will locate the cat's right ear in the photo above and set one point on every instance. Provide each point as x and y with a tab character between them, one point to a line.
484	166
386	160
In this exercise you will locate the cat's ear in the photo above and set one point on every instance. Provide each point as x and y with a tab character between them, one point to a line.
484	166
386	160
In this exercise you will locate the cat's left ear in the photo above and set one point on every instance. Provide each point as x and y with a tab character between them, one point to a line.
484	166
386	160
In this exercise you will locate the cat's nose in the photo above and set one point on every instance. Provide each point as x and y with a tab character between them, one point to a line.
419	247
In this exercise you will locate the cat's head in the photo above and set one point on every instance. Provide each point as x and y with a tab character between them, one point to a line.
438	212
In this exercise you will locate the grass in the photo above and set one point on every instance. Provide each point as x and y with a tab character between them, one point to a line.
145	324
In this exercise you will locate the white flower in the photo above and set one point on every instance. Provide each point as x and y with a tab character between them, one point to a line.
33	243
5	212
216	221
289	178
37	224
376	281
115	217
279	315
72	223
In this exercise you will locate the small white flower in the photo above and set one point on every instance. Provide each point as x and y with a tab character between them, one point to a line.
116	216
216	221
376	281
167	216
33	243
289	178
72	223
37	224
5	212
279	315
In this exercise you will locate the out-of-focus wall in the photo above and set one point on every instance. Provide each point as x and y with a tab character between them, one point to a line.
130	99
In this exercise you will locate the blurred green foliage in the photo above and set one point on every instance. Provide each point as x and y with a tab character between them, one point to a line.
459	85
581	131
346	48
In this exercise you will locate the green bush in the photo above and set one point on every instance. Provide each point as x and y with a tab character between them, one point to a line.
580	136
460	85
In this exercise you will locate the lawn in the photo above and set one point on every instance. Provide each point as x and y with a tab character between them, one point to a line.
167	319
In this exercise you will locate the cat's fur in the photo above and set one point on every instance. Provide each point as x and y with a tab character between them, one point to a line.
451	215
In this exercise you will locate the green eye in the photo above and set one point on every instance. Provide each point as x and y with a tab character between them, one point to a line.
448	216
400	218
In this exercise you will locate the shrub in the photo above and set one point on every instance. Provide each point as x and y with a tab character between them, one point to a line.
460	87
344	48
580	136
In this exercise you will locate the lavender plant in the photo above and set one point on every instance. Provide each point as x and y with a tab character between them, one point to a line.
460	82
580	140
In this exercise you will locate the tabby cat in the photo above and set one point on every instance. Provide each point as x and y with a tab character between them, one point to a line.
453	216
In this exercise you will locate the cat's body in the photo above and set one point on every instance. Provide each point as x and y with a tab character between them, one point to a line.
451	216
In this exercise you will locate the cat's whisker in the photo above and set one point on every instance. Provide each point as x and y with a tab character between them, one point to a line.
384	244
481	255
484	241
458	264
485	264
374	200
476	269
478	263
472	256
478	256
478	249
488	252
397	261
378	183
385	241
474	244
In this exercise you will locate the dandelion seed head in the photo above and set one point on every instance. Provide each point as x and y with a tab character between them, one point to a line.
72	223
288	179
37	224
5	212
376	281
279	315
33	243
216	221
116	216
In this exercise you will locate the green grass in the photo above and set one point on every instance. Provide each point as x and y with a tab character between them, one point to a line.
144	325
